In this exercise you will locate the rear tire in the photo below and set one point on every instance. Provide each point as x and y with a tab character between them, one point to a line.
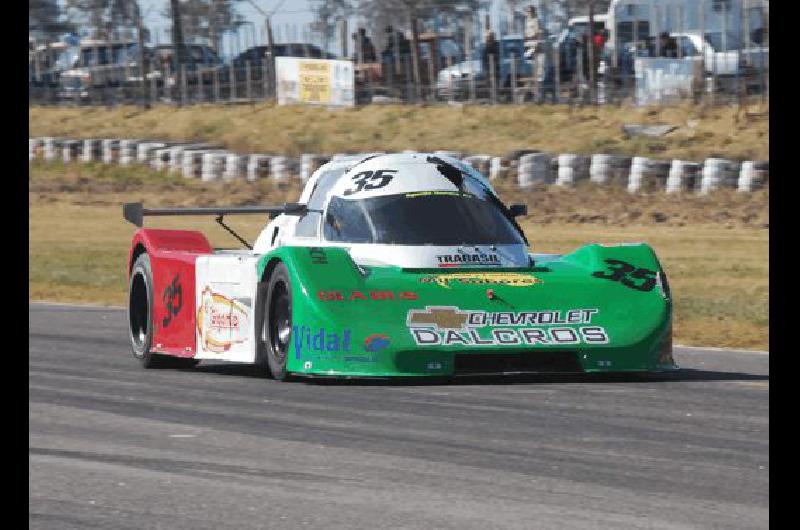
140	319
276	329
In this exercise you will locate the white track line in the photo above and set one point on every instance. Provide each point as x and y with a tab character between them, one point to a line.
729	350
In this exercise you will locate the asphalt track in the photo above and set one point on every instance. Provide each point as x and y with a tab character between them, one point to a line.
114	445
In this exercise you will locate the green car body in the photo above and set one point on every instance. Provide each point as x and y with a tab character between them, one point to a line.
597	309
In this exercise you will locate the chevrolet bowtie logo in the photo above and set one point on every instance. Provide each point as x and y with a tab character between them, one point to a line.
438	317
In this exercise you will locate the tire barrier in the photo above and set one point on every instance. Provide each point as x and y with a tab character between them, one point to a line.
70	151
600	169
279	167
235	166
160	159
175	162
718	173
534	169
309	163
258	167
127	152
682	176
92	150
109	148
481	163
49	150
567	170
34	146
497	170
144	151
753	175
638	173
213	165
526	167
192	164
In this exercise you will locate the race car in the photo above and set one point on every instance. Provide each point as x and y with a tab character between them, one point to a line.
391	265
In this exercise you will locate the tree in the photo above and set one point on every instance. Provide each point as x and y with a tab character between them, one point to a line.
379	13
104	17
45	19
207	20
327	14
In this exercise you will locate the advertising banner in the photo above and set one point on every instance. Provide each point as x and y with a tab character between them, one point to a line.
314	81
662	80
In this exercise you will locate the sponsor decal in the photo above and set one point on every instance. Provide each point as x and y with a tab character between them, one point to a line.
628	275
173	300
335	295
221	321
513	279
318	256
437	318
463	259
311	340
370	180
376	342
449	325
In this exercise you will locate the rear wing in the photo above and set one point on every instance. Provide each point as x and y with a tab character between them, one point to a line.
134	212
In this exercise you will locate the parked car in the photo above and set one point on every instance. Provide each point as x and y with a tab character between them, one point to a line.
97	65
511	62
200	62
46	62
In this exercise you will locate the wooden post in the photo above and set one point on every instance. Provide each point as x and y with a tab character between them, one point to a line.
177	42
592	69
415	53
492	78
247	80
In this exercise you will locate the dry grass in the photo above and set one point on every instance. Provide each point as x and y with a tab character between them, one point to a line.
264	127
718	263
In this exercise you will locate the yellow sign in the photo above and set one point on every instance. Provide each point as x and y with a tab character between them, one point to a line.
512	279
314	81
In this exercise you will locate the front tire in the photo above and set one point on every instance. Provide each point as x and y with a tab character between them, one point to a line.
276	330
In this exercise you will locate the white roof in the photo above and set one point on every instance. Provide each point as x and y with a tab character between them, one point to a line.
402	173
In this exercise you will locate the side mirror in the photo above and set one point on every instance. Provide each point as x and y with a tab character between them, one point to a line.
518	209
294	208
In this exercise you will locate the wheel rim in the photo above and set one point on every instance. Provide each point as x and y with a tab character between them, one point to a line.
280	322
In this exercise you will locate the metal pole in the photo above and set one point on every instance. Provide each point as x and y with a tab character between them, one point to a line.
450	79
415	54
492	78
247	80
233	83
216	84
590	56
557	76
513	77
765	60
177	40
184	94
431	79
264	78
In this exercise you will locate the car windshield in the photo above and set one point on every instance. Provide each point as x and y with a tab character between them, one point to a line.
423	218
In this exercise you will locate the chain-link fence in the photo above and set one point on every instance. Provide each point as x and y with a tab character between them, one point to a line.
633	63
